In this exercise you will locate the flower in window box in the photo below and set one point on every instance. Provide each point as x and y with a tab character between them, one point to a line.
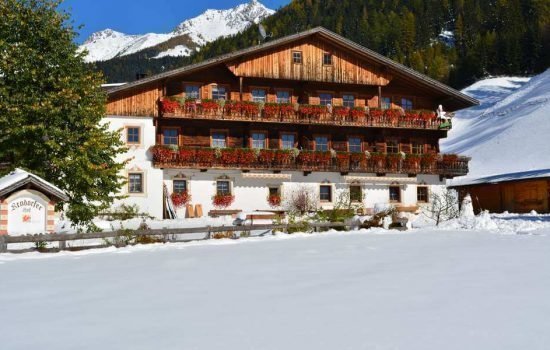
222	200
266	157
162	154
169	106
323	158
180	198
229	156
274	200
246	156
343	159
393	160
358	112
378	159
341	111
412	161
209	105
271	109
287	108
358	157
283	156
306	157
376	114
205	156
428	160
186	155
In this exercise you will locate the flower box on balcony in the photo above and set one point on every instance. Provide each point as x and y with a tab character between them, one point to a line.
358	112
162	154
266	157
169	106
205	156
286	109
186	155
428	161
271	110
246	157
283	157
209	106
341	111
449	159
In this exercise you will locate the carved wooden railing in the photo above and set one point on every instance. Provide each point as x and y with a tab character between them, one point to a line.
277	160
303	114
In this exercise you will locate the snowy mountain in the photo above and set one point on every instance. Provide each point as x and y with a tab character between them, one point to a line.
509	131
197	31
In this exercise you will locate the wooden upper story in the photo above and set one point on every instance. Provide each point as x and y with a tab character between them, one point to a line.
316	67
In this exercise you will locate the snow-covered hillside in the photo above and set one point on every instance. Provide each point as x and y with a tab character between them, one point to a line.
204	28
509	131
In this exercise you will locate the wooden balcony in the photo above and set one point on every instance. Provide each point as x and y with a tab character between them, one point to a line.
447	166
303	114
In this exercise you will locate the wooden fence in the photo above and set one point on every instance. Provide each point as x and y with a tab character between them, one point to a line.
120	237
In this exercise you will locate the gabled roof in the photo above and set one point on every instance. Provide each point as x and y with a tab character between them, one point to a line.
398	68
494	179
20	178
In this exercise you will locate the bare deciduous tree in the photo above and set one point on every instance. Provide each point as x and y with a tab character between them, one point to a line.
443	206
302	200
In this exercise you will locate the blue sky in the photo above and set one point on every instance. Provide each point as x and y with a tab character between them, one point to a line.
143	16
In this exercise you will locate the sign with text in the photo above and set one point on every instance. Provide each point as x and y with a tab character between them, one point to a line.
27	215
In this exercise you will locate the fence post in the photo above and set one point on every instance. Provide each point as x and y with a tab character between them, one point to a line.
62	245
3	244
209	234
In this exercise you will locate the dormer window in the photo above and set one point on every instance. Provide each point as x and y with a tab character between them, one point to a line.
327	59
297	57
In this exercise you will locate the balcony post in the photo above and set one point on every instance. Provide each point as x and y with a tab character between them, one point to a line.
241	89
380	96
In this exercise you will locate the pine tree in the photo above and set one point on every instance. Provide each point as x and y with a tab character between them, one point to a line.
51	105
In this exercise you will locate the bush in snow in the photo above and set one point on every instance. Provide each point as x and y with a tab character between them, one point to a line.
443	206
302	200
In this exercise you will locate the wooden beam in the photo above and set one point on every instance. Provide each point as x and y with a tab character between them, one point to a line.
380	96
240	89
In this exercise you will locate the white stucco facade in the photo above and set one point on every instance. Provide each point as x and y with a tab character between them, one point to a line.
251	189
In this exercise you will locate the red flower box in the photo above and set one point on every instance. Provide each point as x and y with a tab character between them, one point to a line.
266	157
283	157
306	157
340	111
222	200
186	155
358	112
428	159
229	156
246	157
205	156
169	106
180	198
357	157
162	154
271	109
274	200
286	108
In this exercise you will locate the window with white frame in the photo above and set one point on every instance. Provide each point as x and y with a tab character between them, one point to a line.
219	92
297	57
135	182
192	91
219	139
354	144
259	140
321	143
258	95
348	101
283	96
179	186
223	187
287	141
325	99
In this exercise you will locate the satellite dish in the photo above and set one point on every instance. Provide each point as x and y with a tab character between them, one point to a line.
263	33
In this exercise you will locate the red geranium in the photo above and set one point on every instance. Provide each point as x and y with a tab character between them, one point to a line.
229	156
306	157
186	155
168	106
209	105
222	200
428	159
271	109
162	154
246	156
341	111
286	108
204	156
180	198
358	112
266	156
282	156
274	200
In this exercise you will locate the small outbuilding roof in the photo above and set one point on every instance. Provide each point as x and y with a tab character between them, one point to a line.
493	179
20	178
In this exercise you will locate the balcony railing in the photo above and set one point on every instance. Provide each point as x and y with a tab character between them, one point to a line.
302	114
448	165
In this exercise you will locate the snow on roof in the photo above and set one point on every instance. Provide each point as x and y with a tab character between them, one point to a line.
523	175
20	177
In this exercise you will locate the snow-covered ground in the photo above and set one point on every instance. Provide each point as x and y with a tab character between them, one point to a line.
421	289
508	132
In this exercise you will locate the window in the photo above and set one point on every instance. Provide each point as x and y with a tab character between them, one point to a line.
170	137
386	103
218	93
395	194
259	140
179	186
348	101
297	57
327	58
354	144
422	194
325	99
192	91
417	148
223	187
287	141
355	194
219	139
274	191
258	95
135	183
283	97
325	193
321	143
406	104
132	134
392	147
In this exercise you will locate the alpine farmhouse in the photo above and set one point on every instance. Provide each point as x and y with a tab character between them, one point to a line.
313	110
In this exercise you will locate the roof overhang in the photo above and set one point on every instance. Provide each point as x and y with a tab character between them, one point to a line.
462	100
21	179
